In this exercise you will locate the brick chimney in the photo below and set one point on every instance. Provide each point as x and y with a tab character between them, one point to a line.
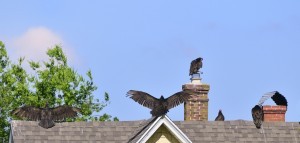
274	113
196	109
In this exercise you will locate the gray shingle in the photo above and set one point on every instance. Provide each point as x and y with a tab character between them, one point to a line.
240	131
137	134
123	131
116	132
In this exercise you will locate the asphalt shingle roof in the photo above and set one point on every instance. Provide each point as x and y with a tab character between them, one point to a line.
123	131
137	134
74	132
240	131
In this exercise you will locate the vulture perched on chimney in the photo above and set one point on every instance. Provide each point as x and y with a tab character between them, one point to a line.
46	115
162	105
257	112
195	66
220	116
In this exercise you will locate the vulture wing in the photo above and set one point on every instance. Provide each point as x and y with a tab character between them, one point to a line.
29	112
192	67
199	63
279	99
257	115
143	98
265	97
179	98
61	112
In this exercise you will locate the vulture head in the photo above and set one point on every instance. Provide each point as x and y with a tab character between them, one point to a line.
220	116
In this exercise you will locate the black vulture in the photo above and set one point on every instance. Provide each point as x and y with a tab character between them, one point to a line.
220	116
257	112
257	115
278	98
195	66
46	115
159	106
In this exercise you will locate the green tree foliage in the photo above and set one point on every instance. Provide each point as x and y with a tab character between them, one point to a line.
53	81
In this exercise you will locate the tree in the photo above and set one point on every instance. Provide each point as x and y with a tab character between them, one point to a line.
53	81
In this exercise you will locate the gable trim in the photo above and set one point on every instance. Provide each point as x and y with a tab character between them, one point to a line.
11	135
164	120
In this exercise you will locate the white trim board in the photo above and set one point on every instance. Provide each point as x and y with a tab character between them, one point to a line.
164	120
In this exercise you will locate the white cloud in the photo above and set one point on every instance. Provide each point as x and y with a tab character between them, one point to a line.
34	43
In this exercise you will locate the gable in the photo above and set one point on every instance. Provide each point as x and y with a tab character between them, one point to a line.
163	121
162	135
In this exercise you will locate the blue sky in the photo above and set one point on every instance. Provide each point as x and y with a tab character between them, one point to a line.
249	48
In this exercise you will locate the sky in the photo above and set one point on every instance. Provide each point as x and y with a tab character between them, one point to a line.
248	48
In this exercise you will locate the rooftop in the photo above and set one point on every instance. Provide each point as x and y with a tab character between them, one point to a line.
123	131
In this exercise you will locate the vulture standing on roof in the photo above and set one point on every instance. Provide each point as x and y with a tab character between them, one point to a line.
257	115
46	115
159	106
220	116
195	66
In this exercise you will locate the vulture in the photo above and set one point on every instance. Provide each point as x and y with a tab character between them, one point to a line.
159	106
195	66
278	98
220	116
46	115
257	115
257	112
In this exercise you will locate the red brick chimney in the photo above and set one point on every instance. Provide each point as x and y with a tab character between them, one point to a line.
274	113
196	109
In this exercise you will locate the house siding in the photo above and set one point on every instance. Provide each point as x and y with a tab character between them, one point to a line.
162	135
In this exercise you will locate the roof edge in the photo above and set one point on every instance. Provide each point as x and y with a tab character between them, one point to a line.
164	119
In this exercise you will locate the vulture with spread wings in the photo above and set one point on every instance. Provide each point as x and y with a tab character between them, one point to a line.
257	111
195	66
159	106
46	115
277	97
